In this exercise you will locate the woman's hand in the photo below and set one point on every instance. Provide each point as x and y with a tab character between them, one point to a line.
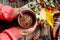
27	31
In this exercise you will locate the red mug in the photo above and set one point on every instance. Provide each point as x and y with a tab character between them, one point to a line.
27	13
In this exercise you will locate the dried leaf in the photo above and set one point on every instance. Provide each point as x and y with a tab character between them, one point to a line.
49	18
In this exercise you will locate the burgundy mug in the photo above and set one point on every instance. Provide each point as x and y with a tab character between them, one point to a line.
24	20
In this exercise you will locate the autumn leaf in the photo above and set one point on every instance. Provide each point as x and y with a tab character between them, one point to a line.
49	18
45	14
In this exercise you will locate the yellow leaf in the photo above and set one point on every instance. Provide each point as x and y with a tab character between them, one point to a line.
46	14
49	18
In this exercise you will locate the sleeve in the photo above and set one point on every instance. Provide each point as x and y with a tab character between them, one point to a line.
6	12
4	36
10	34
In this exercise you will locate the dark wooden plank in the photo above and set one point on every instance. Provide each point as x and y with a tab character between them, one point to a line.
13	4
29	0
6	2
30	36
48	28
37	31
45	31
23	38
1	1
19	3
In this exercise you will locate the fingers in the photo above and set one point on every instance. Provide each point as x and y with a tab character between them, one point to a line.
28	31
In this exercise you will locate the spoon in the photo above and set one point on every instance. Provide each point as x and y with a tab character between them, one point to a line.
21	13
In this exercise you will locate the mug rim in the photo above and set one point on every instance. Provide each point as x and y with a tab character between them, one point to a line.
30	15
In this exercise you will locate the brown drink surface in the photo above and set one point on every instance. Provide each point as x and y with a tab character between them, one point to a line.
26	20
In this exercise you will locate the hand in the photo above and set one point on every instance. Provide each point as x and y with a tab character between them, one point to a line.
26	31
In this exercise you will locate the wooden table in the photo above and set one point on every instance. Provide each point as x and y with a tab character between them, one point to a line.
38	31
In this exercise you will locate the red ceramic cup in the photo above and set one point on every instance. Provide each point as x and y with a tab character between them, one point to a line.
30	13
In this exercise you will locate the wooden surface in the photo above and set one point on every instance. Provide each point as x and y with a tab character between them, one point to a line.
38	31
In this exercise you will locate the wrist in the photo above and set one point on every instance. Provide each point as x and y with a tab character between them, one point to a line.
20	32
